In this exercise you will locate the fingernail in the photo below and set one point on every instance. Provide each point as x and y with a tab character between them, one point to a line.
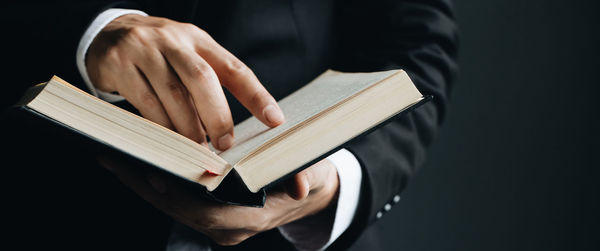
273	115
225	141
157	183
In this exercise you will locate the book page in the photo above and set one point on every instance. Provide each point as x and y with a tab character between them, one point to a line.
328	89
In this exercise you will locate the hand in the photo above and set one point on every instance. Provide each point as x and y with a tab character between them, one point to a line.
172	73
307	193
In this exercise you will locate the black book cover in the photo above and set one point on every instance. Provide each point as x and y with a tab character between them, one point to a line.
231	190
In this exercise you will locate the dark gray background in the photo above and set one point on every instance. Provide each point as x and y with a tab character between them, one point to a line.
515	166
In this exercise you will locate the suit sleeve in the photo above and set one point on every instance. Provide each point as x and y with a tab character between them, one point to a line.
419	36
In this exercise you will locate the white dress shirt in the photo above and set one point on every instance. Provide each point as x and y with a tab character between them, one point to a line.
312	233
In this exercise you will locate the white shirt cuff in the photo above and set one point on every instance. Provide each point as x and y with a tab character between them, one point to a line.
313	235
97	25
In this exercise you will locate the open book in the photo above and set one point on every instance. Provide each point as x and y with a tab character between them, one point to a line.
320	117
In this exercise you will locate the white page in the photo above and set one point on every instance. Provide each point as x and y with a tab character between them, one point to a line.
325	91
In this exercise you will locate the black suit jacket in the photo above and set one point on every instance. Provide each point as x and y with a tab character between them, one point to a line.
286	44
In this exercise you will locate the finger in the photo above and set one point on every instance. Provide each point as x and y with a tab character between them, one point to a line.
139	93
298	186
173	95
209	99
166	194
203	215
311	179
242	83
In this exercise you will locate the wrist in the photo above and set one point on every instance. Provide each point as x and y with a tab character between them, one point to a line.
326	195
322	195
312	229
84	43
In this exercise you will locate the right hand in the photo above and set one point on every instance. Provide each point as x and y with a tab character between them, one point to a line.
172	73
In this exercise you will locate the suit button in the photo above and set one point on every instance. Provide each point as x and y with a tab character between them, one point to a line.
379	214
387	207
396	198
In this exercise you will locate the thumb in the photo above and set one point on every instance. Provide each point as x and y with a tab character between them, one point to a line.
298	186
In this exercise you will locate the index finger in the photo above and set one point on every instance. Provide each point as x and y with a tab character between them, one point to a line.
242	83
210	102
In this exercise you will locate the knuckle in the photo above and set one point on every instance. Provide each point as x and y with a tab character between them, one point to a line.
236	68
162	22
169	41
222	123
113	56
175	89
161	30
148	99
137	33
197	32
202	72
171	50
200	32
259	96
189	27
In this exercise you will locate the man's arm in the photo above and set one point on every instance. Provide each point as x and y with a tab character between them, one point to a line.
419	36
331	223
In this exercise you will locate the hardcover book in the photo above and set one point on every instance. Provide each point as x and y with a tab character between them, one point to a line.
321	117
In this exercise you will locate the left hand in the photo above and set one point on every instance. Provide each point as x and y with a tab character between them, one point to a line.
306	193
